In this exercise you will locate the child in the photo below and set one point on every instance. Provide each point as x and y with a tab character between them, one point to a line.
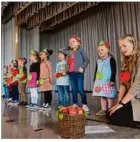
33	79
22	80
14	76
77	62
62	79
104	78
5	76
46	77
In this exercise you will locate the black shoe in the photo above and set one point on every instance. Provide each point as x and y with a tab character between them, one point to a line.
24	103
21	103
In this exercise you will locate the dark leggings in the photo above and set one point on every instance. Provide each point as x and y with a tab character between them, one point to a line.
47	97
123	116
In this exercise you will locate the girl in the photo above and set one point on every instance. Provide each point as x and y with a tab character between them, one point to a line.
46	77
77	62
14	84
104	78
5	86
127	110
22	80
33	79
62	79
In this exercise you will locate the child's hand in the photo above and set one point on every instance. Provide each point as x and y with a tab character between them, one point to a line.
64	73
37	82
111	83
81	70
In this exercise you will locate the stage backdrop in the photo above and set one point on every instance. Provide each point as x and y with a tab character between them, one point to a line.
109	22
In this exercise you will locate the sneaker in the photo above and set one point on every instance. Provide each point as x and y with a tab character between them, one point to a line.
9	99
101	113
35	107
21	103
85	108
30	106
75	105
43	104
46	106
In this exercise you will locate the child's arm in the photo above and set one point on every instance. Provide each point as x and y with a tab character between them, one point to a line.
50	72
95	73
113	71
85	58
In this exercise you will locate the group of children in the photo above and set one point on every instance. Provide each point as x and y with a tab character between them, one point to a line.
70	69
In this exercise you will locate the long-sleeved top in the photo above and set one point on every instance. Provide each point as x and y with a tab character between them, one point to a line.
81	59
35	67
113	70
60	68
135	91
46	73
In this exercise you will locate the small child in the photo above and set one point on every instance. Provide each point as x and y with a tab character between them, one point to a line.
22	80
104	78
62	79
5	86
14	84
46	78
33	79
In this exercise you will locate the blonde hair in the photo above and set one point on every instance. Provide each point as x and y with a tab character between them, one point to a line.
128	62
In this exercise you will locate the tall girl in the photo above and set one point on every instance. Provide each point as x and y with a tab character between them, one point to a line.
77	62
104	79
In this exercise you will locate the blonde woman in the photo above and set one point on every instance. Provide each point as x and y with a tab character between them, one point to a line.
127	110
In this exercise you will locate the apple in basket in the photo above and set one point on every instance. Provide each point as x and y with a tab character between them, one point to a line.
79	110
73	111
64	110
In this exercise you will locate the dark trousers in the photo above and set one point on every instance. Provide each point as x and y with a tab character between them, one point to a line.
47	97
123	116
77	84
15	92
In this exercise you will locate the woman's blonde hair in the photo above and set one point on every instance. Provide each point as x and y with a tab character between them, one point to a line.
128	62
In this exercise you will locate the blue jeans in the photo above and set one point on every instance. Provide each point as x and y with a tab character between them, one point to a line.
77	84
6	91
64	95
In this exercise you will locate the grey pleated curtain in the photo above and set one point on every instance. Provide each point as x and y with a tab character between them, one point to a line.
7	45
108	23
28	39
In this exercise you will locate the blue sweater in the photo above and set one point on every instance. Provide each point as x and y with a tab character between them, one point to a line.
81	59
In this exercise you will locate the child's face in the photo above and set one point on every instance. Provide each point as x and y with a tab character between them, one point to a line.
19	62
43	55
61	56
73	43
126	47
103	51
32	58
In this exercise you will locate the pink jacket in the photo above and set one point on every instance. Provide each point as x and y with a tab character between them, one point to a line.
46	73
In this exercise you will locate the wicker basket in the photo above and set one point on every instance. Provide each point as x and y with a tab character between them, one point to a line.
72	126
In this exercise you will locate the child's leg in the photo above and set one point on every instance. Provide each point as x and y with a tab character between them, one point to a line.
110	102
15	93
66	95
20	93
60	90
24	92
7	91
35	96
32	95
103	103
48	97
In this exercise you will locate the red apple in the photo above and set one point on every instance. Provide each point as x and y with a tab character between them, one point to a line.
80	112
